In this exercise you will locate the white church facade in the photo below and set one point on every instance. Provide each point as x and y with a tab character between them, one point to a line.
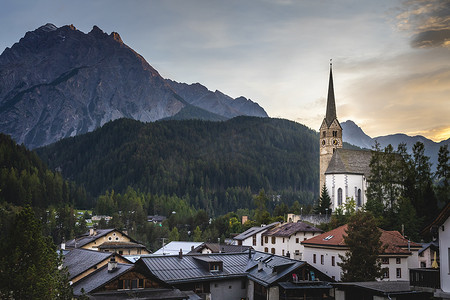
344	172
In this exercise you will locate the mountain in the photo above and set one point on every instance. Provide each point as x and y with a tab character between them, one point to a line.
199	96
353	134
60	82
216	166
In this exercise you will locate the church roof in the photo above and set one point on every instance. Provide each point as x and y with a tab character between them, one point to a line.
350	162
331	104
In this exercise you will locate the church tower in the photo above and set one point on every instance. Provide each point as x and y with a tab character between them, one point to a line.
330	132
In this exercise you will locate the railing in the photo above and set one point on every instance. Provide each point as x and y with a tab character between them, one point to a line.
425	277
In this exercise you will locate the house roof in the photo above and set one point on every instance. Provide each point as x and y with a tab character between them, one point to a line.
380	287
432	245
148	294
220	248
254	230
393	241
350	162
174	247
189	268
288	229
99	278
117	245
79	260
88	238
156	218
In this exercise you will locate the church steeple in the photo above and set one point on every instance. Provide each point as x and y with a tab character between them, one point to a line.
330	132
331	105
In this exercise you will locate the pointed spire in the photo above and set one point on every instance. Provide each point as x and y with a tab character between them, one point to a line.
331	105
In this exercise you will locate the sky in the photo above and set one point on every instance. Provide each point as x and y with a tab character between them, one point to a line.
391	58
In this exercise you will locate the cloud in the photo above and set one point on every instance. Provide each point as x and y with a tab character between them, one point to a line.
428	21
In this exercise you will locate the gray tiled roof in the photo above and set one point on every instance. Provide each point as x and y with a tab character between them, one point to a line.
254	230
222	248
350	162
79	260
99	278
175	270
288	229
382	287
147	294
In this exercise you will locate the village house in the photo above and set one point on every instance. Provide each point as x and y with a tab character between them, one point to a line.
285	240
253	275
252	236
107	240
398	256
207	248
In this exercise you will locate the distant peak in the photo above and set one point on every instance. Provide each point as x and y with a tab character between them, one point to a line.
48	27
116	37
97	32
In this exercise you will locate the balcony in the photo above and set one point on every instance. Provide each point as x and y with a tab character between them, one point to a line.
424	279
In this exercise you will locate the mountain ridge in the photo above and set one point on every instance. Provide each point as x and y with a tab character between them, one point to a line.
58	82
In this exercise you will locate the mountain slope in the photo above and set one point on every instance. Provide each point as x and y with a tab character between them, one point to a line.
216	165
60	82
353	134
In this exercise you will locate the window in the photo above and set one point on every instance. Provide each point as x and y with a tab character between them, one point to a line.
398	260
272	250
333	261
282	252
134	283
297	240
120	252
423	264
321	259
254	240
123	284
266	239
339	196
358	197
324	133
385	260
110	238
314	258
334	133
283	240
266	249
273	240
386	273
399	273
214	268
141	283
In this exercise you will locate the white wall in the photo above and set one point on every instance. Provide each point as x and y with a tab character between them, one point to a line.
229	289
326	267
392	266
287	244
444	255
349	183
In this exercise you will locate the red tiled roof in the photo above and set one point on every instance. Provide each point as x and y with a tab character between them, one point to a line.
393	241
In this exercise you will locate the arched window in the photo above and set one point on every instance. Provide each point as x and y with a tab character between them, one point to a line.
339	196
358	201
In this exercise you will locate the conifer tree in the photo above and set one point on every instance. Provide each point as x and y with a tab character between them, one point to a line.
442	175
361	262
324	204
29	263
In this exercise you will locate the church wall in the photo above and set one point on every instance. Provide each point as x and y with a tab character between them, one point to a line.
349	183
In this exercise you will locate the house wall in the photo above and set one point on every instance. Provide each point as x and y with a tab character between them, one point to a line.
283	245
444	250
113	236
349	183
326	267
228	289
127	251
427	258
250	289
273	293
393	266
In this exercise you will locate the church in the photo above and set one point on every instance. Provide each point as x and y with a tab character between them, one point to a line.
343	171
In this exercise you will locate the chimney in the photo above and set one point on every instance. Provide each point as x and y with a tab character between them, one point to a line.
91	232
63	246
192	248
260	266
112	264
244	219
180	254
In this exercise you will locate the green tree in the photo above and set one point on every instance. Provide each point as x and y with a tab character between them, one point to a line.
323	207
442	175
197	235
31	267
360	262
174	235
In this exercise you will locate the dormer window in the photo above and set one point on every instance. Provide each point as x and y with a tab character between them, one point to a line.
214	268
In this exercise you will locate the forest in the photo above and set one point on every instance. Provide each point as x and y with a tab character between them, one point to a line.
215	166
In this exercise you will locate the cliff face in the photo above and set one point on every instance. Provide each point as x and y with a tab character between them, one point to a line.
60	82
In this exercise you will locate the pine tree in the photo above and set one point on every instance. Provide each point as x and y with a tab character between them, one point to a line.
442	175
324	204
31	267
361	262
